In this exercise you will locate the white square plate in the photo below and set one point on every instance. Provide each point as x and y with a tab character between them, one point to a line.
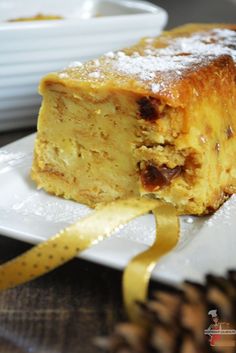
207	244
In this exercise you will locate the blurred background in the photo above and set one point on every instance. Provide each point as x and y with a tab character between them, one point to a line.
182	11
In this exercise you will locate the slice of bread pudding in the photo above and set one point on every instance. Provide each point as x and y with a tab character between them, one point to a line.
156	120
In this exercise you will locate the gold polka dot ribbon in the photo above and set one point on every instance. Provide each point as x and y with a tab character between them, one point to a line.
138	272
91	230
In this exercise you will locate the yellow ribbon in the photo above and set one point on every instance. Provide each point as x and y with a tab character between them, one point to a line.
138	272
91	230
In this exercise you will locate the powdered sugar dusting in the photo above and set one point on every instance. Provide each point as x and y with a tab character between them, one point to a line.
94	74
181	54
146	67
110	54
121	54
63	75
156	87
96	62
149	40
75	64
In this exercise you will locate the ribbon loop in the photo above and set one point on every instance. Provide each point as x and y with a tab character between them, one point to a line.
138	272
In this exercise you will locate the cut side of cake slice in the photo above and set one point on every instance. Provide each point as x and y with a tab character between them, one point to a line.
155	120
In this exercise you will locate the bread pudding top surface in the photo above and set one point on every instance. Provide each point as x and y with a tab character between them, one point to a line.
168	67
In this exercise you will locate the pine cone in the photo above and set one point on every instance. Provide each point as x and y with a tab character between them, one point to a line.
175	320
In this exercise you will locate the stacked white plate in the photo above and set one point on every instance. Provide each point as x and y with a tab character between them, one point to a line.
88	29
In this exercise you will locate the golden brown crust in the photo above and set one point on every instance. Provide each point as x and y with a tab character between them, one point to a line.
157	119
